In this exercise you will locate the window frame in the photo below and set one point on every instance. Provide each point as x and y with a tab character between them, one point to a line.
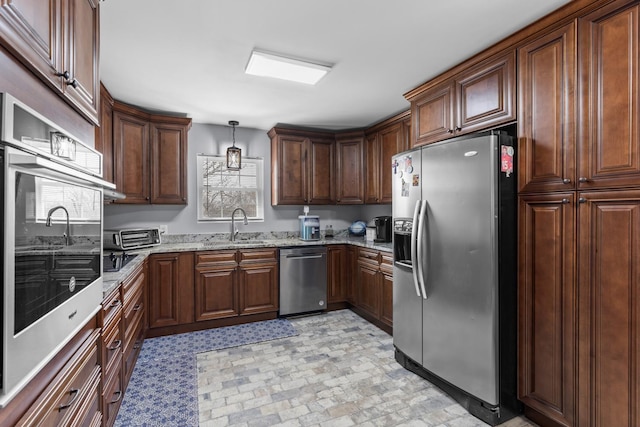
257	161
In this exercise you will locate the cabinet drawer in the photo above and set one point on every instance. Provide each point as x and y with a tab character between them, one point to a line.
111	307
133	308
215	258
370	257
386	265
112	398
133	283
251	255
70	390
131	351
112	343
89	414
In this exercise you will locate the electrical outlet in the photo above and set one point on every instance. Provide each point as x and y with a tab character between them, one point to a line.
164	229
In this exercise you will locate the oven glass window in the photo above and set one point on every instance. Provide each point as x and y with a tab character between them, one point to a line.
57	244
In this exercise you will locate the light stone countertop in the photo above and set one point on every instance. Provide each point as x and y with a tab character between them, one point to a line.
112	279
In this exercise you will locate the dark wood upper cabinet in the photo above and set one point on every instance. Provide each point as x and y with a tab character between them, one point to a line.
302	164
81	59
149	156
609	142
131	156
59	41
168	163
547	99
383	141
480	97
349	168
104	134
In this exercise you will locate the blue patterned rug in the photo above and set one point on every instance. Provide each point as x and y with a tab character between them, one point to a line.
163	390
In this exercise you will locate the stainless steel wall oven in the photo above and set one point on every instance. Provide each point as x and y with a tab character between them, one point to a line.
52	199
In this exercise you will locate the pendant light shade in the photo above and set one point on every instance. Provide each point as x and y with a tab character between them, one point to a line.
234	154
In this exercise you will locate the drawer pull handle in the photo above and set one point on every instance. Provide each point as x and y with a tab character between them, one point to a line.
137	307
115	303
74	393
117	399
116	345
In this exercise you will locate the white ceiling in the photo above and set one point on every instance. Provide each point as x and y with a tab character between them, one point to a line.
189	56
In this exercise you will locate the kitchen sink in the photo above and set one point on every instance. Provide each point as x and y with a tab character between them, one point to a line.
235	242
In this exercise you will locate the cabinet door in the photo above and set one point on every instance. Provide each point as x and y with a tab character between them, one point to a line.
372	170
349	171
485	95
432	114
32	30
336	273
258	288
81	56
547	305
320	164
369	289
289	177
216	293
171	294
609	144
351	268
104	135
386	305
546	112
131	148
391	143
168	164
609	308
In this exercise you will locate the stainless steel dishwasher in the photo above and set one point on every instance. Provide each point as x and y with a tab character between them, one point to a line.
303	279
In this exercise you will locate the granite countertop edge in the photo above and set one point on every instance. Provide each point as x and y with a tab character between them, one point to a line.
111	280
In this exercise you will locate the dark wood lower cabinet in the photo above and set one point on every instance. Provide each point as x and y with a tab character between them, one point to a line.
609	309
547	306
374	287
258	281
579	305
171	298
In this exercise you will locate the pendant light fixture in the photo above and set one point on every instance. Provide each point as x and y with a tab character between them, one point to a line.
234	154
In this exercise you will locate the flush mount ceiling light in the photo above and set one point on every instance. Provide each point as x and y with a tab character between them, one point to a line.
280	67
234	154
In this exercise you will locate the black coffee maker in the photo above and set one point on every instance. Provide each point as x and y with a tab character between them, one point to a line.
383	229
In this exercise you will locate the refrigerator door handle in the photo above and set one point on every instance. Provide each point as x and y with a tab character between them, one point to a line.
414	247
422	219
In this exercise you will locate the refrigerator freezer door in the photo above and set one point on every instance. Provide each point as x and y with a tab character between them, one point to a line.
459	181
407	303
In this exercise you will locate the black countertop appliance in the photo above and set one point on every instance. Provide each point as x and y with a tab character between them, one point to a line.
383	229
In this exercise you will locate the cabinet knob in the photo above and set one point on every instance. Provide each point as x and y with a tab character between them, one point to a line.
583	179
73	83
64	74
146	198
566	181
449	130
565	201
458	128
582	200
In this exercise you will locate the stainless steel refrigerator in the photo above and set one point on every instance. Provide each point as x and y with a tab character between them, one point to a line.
454	276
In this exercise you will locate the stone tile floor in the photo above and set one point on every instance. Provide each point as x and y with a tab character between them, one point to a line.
338	371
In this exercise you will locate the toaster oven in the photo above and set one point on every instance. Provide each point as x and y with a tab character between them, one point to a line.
134	238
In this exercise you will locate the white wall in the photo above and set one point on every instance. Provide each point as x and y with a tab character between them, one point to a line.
214	139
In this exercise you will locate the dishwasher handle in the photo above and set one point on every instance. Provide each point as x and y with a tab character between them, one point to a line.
304	256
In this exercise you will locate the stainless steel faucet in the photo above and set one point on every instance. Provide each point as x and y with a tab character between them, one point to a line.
67	233
234	230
